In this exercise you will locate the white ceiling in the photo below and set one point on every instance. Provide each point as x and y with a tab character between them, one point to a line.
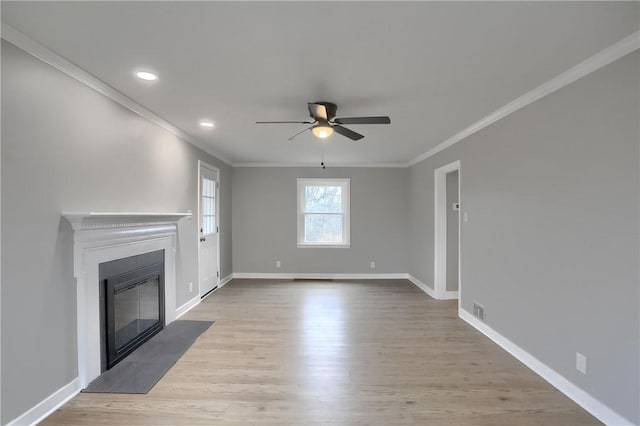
433	67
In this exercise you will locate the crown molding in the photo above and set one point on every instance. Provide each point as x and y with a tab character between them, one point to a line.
330	165
594	63
48	56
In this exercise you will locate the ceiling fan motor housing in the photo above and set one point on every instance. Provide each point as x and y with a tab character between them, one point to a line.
331	110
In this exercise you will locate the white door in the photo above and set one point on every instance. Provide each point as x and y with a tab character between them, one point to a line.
208	220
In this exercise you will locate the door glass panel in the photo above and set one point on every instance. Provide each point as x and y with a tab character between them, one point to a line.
208	206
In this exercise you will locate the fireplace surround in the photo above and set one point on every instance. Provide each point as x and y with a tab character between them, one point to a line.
103	237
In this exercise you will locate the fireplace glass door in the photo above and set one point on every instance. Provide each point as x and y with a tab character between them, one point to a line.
134	310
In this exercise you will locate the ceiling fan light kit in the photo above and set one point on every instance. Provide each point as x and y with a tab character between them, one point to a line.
322	131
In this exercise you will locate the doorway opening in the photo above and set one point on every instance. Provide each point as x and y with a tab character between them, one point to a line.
208	228
447	222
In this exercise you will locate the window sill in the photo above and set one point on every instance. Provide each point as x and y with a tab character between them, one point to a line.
302	245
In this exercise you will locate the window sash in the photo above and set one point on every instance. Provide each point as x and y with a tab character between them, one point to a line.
320	185
323	227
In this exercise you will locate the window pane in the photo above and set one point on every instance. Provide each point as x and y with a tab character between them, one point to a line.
323	228
323	199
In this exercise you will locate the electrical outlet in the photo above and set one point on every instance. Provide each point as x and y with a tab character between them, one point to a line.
465	217
372	265
581	363
191	287
278	264
478	311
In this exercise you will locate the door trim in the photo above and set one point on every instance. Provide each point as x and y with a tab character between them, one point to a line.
215	170
440	232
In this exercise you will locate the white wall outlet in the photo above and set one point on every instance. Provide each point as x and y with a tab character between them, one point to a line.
581	363
478	310
465	217
372	265
191	287
278	264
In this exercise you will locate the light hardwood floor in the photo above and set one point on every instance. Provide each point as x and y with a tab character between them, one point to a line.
334	353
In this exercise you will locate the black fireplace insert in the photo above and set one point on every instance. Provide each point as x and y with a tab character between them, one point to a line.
133	304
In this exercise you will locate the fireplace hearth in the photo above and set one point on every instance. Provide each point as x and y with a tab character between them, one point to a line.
132	304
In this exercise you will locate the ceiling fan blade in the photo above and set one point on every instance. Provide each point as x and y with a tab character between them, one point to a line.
363	120
318	111
299	133
282	122
348	133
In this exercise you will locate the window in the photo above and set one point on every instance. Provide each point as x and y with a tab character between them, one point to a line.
323	213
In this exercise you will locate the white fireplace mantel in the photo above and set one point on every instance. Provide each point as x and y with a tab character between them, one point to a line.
100	237
105	220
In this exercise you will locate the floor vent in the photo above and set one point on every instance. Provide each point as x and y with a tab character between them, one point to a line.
478	311
312	279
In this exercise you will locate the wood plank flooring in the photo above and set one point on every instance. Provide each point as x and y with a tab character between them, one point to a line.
334	353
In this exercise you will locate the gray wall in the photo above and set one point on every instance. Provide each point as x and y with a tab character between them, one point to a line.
452	231
67	148
265	222
551	243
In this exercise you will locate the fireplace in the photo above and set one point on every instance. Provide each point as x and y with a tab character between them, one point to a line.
99	238
132	304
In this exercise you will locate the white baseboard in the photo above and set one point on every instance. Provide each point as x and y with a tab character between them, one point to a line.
295	275
448	295
579	396
186	307
47	406
225	280
422	286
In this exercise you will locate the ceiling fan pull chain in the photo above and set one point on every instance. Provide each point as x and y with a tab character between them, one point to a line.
322	155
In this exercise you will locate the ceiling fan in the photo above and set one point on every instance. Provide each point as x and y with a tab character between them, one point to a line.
324	122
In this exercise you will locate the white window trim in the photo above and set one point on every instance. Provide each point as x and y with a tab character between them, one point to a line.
346	214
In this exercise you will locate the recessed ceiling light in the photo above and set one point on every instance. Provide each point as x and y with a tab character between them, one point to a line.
208	124
146	75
